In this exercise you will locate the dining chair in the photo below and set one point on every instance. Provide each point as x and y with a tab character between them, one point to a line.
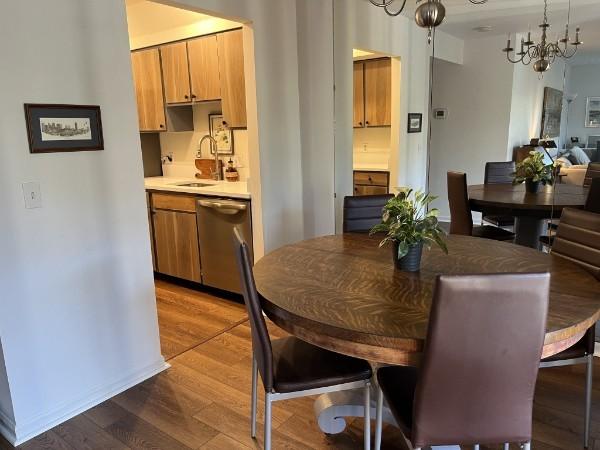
476	382
461	220
593	171
289	367
499	173
361	213
592	204
578	240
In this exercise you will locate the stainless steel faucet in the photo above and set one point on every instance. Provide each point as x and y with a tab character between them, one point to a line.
213	145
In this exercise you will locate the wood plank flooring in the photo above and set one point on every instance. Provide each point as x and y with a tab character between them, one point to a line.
203	401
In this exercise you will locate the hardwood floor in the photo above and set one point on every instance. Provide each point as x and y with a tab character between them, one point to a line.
203	401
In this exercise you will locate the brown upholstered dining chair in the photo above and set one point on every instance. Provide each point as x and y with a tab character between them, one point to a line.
578	240
499	173
461	221
593	171
291	368
480	363
361	213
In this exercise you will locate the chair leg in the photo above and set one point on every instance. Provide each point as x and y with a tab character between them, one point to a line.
254	397
527	446
588	400
367	444
379	419
268	403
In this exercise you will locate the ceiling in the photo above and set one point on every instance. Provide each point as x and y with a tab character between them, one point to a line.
504	16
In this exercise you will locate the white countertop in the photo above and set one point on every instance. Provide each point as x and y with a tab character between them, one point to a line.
371	168
233	189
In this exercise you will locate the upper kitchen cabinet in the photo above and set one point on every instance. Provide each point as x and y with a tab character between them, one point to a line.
378	93
148	89
359	94
176	74
233	84
204	68
373	93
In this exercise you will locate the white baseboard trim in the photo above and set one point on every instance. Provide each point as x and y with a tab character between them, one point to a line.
18	434
7	427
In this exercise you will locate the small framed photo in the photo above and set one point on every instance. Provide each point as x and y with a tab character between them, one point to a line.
415	122
222	134
63	128
592	112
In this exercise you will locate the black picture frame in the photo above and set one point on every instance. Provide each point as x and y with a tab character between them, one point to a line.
415	122
53	128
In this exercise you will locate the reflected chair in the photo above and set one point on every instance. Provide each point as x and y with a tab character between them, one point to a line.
477	378
592	204
593	171
291	368
499	173
361	213
578	240
461	220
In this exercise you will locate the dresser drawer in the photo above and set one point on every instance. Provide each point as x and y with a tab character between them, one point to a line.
372	178
361	189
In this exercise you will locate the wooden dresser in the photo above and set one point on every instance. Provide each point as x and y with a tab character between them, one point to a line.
371	182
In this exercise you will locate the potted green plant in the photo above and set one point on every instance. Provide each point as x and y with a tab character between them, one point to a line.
533	172
408	226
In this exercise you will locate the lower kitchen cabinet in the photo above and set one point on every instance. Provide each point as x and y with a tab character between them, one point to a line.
371	183
176	242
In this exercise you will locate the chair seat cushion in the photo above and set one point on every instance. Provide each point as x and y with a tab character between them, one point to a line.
500	221
579	350
398	385
495	233
298	366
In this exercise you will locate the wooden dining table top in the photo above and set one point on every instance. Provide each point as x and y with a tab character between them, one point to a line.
344	294
507	196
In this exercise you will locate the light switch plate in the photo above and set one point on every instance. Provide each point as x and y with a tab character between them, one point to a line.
32	194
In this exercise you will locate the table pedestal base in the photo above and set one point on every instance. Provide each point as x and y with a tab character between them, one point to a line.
332	409
528	231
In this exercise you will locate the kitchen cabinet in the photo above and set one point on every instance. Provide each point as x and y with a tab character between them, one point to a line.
373	93
148	89
176	72
151	231
359	95
176	236
233	84
371	183
204	68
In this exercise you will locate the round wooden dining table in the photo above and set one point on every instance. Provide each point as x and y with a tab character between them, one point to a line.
529	210
343	293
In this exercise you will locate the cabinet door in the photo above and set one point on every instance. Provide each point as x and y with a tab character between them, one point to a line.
148	89
204	68
176	74
378	93
176	241
233	84
359	95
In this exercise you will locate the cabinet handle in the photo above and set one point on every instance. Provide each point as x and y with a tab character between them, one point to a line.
186	97
193	96
367	122
360	123
161	125
224	123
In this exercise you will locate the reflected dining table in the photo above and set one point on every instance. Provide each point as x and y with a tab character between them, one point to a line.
530	210
343	293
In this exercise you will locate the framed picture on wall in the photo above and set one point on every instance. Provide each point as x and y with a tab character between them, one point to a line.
551	113
63	128
415	122
592	112
222	134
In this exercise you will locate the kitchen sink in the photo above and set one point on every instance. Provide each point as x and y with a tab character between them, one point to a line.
196	185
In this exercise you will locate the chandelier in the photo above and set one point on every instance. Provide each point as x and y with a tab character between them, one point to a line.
429	14
545	52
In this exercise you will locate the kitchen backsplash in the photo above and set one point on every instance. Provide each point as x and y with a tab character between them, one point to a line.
371	147
184	145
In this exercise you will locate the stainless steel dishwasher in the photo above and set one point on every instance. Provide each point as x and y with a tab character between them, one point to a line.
217	218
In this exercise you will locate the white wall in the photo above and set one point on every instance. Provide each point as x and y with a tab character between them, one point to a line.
78	318
584	80
477	95
371	148
361	25
184	145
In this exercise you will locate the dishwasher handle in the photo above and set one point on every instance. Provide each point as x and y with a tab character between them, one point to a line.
224	207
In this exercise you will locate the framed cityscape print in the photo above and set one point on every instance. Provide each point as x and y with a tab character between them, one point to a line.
222	134
63	128
592	112
551	113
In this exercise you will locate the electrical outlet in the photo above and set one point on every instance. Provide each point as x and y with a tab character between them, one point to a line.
32	195
365	147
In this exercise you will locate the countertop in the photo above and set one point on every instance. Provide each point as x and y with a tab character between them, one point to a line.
232	189
371	168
